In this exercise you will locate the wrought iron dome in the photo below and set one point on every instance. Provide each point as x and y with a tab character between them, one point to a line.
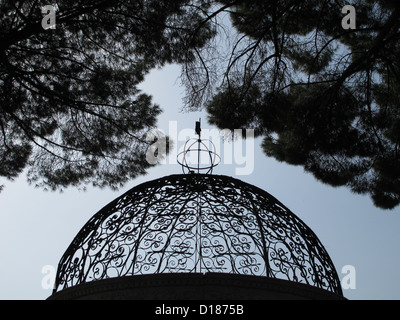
196	223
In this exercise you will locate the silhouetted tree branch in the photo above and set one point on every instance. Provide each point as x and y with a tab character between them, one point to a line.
70	109
322	97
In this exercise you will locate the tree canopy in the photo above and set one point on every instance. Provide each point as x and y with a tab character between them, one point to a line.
321	96
70	108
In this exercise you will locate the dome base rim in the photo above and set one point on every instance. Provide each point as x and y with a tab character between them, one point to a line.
194	286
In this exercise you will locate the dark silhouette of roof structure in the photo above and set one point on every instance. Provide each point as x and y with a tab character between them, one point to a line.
197	224
196	236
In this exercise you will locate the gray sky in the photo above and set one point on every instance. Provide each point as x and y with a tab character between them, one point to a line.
37	227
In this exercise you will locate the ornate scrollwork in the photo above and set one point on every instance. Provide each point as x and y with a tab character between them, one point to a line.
197	223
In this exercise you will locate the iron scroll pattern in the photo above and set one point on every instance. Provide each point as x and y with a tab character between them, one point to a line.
196	223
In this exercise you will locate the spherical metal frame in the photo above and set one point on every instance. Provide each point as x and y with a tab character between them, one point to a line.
197	224
198	147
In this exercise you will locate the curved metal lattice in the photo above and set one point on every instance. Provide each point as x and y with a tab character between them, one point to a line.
197	223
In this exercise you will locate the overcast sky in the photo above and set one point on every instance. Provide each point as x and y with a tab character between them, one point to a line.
37	227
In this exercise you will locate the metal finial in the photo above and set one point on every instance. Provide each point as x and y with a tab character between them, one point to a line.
198	147
198	128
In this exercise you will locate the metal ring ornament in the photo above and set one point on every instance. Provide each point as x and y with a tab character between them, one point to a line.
200	148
